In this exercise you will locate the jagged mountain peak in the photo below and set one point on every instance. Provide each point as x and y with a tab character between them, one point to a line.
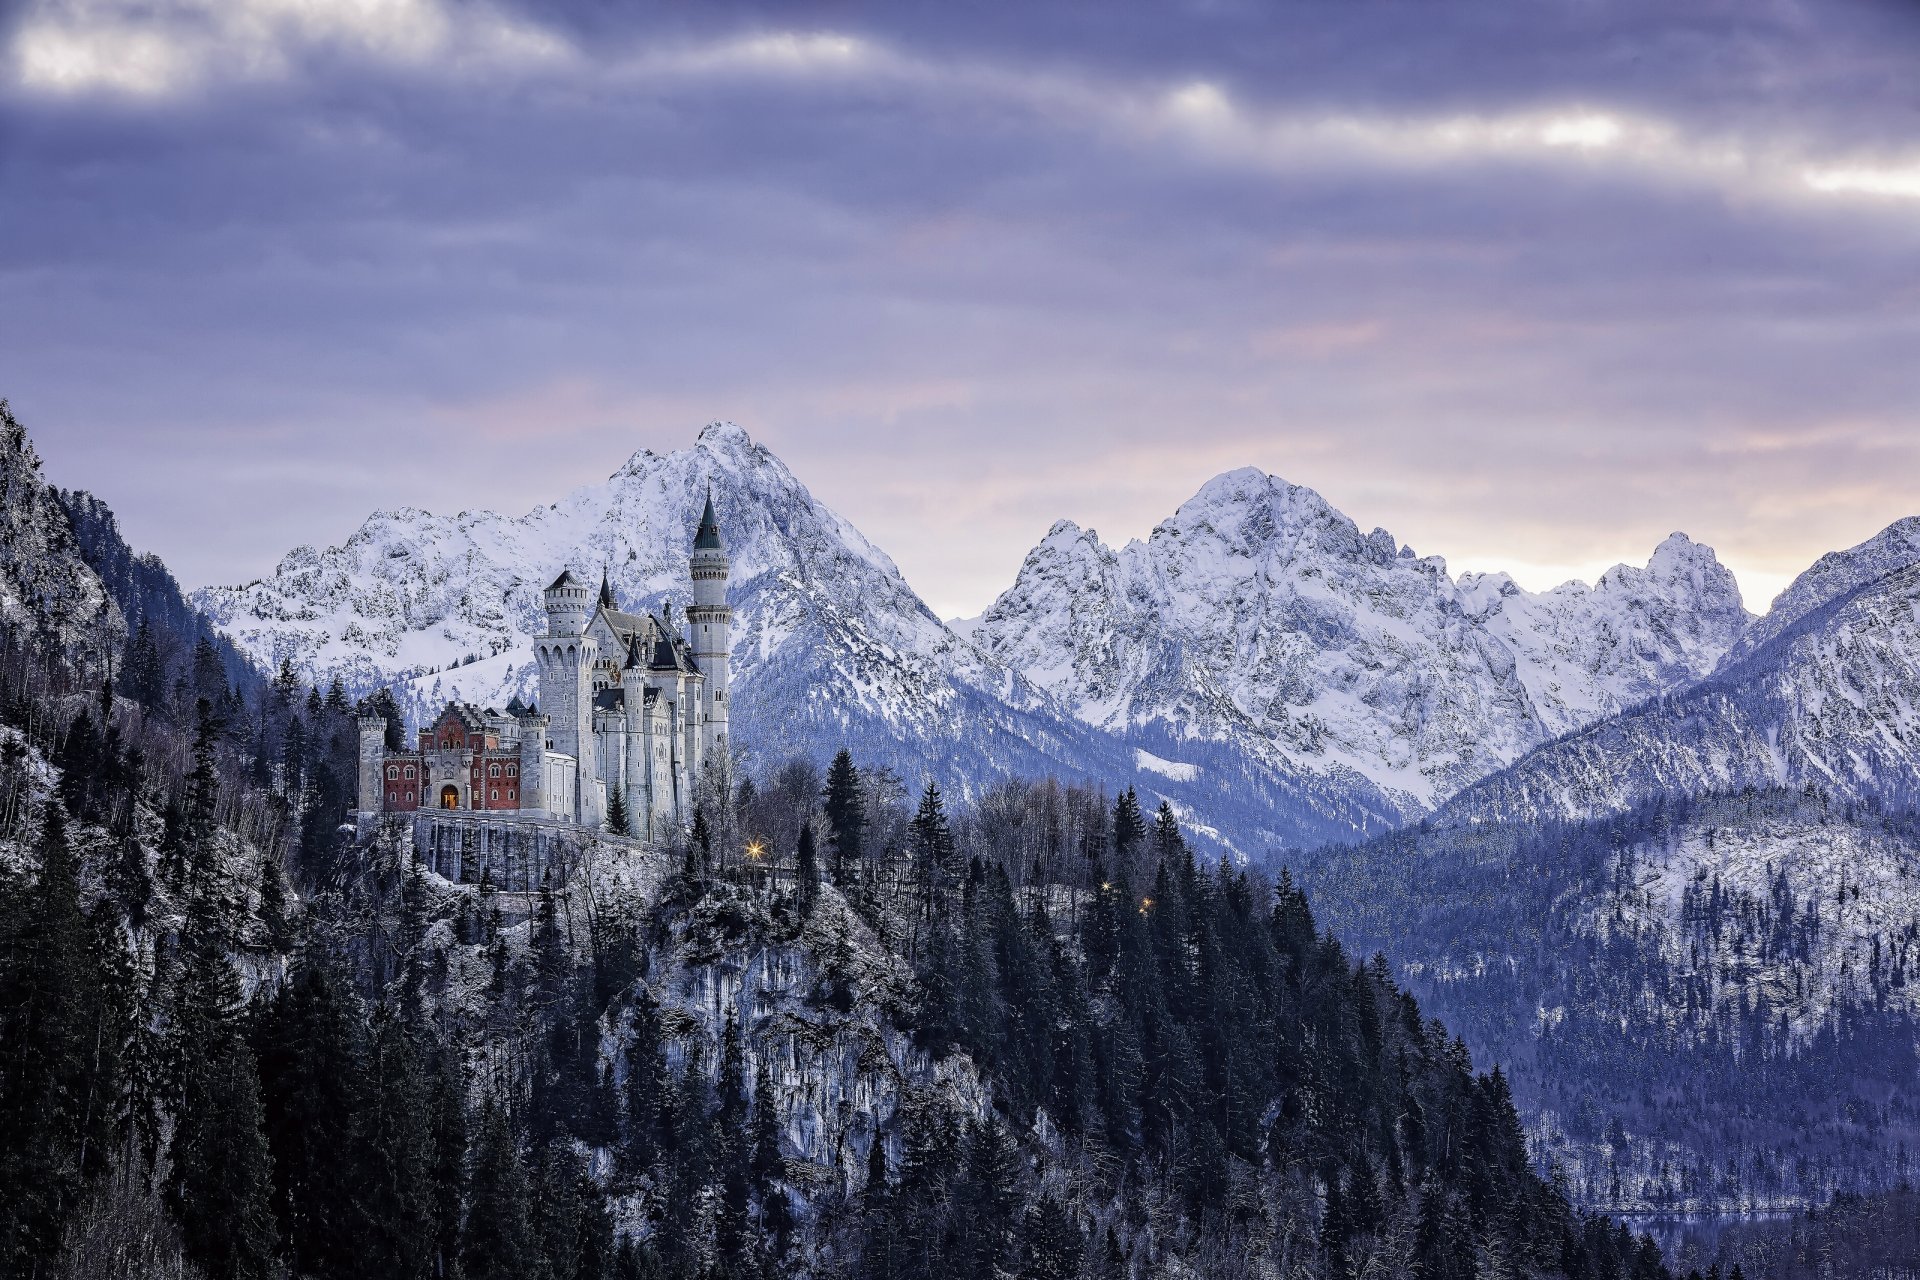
831	646
1251	512
1678	567
1258	613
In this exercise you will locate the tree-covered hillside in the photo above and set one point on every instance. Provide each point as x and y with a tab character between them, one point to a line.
1704	1004
1032	1039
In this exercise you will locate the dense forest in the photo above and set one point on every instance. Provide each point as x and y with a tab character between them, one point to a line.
834	1030
1707	1003
1854	1235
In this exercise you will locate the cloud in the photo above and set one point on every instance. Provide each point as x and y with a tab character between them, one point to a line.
68	48
1520	295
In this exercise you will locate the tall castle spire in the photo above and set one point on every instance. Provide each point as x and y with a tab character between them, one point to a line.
707	536
709	619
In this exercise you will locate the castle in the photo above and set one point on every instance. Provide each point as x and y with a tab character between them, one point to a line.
626	707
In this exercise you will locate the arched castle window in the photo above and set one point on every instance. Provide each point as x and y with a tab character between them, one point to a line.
389	797
409	771
493	771
393	771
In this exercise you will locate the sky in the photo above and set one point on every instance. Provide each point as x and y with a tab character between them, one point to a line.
1531	285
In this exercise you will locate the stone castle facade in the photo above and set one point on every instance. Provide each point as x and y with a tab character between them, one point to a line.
626	707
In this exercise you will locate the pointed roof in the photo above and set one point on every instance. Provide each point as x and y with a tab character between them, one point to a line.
606	592
566	579
515	707
664	656
707	538
635	660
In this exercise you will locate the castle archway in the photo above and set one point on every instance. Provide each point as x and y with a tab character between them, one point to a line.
449	797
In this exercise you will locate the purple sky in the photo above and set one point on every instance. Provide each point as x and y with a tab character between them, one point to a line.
1531	285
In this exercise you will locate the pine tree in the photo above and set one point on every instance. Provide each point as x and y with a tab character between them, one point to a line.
394	1152
209	673
767	1167
62	1022
199	810
1129	828
1052	1246
648	1087
497	1241
293	758
141	676
314	1081
934	850
447	1176
806	871
220	1179
617	819
846	816
986	1199
1168	845
730	1130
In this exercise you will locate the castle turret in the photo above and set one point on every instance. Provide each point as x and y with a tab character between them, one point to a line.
569	605
533	759
566	654
709	621
636	770
373	760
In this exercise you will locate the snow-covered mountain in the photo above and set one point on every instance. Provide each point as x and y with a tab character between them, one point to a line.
831	647
1823	692
1258	615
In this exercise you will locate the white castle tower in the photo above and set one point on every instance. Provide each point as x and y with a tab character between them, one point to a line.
566	655
709	619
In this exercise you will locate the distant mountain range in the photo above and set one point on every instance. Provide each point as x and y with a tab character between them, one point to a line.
1655	854
1256	659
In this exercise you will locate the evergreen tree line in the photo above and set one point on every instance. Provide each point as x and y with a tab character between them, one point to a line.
237	1045
1679	1056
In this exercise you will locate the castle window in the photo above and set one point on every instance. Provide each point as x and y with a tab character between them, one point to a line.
496	793
513	771
389	797
512	794
495	771
392	771
409	771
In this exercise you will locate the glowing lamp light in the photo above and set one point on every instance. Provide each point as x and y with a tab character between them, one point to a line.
756	850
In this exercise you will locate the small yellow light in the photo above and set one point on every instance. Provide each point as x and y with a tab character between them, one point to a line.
1145	903
756	850
1106	884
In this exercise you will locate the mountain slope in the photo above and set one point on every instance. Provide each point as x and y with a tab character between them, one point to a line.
831	646
1705	1004
1829	698
1260	616
47	589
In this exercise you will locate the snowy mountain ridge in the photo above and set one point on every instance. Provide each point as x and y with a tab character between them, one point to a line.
1259	614
1828	699
1255	636
831	647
